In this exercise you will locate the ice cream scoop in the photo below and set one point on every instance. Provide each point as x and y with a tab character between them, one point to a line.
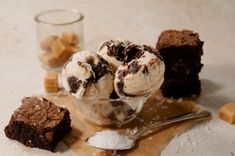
142	75
87	75
117	52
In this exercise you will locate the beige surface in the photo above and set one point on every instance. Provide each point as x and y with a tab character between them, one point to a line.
137	20
151	145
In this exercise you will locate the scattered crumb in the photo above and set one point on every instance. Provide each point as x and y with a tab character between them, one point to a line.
150	138
180	100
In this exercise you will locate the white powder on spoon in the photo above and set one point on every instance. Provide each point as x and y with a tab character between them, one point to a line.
110	140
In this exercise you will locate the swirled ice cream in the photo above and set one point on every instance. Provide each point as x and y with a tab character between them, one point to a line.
142	75
87	75
117	51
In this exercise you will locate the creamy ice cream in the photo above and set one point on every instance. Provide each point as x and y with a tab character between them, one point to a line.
87	75
115	52
143	74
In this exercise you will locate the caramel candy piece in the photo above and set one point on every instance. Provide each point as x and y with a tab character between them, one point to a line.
73	49
70	38
46	43
58	47
51	82
61	51
50	60
227	113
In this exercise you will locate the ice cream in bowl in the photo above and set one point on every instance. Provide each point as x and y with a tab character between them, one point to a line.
112	84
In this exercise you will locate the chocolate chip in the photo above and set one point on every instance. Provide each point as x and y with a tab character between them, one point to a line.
133	67
74	84
91	61
89	81
122	74
153	50
133	51
118	51
120	86
145	70
100	69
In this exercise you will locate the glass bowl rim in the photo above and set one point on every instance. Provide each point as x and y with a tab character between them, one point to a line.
74	11
146	95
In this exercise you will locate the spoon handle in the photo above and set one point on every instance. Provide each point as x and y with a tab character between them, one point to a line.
154	126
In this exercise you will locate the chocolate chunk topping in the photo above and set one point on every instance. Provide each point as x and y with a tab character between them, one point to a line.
145	70
91	61
133	67
101	69
123	51
122	74
120	86
116	49
153	50
74	84
133	52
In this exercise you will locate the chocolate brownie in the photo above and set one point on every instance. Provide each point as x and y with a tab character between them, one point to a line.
181	52
38	123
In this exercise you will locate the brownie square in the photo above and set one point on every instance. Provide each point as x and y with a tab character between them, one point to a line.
181	52
38	123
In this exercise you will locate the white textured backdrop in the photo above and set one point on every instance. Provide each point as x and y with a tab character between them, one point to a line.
142	22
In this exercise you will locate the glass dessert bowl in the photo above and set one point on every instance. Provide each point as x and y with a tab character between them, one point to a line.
111	112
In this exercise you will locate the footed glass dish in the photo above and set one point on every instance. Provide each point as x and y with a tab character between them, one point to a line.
111	112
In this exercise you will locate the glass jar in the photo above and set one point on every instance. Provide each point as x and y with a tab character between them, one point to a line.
60	35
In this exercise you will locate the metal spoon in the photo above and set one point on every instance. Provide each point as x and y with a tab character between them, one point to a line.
150	129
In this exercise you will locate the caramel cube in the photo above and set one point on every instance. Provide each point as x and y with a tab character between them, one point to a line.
50	60
70	38
61	51
73	49
227	113
51	82
46	43
58	47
